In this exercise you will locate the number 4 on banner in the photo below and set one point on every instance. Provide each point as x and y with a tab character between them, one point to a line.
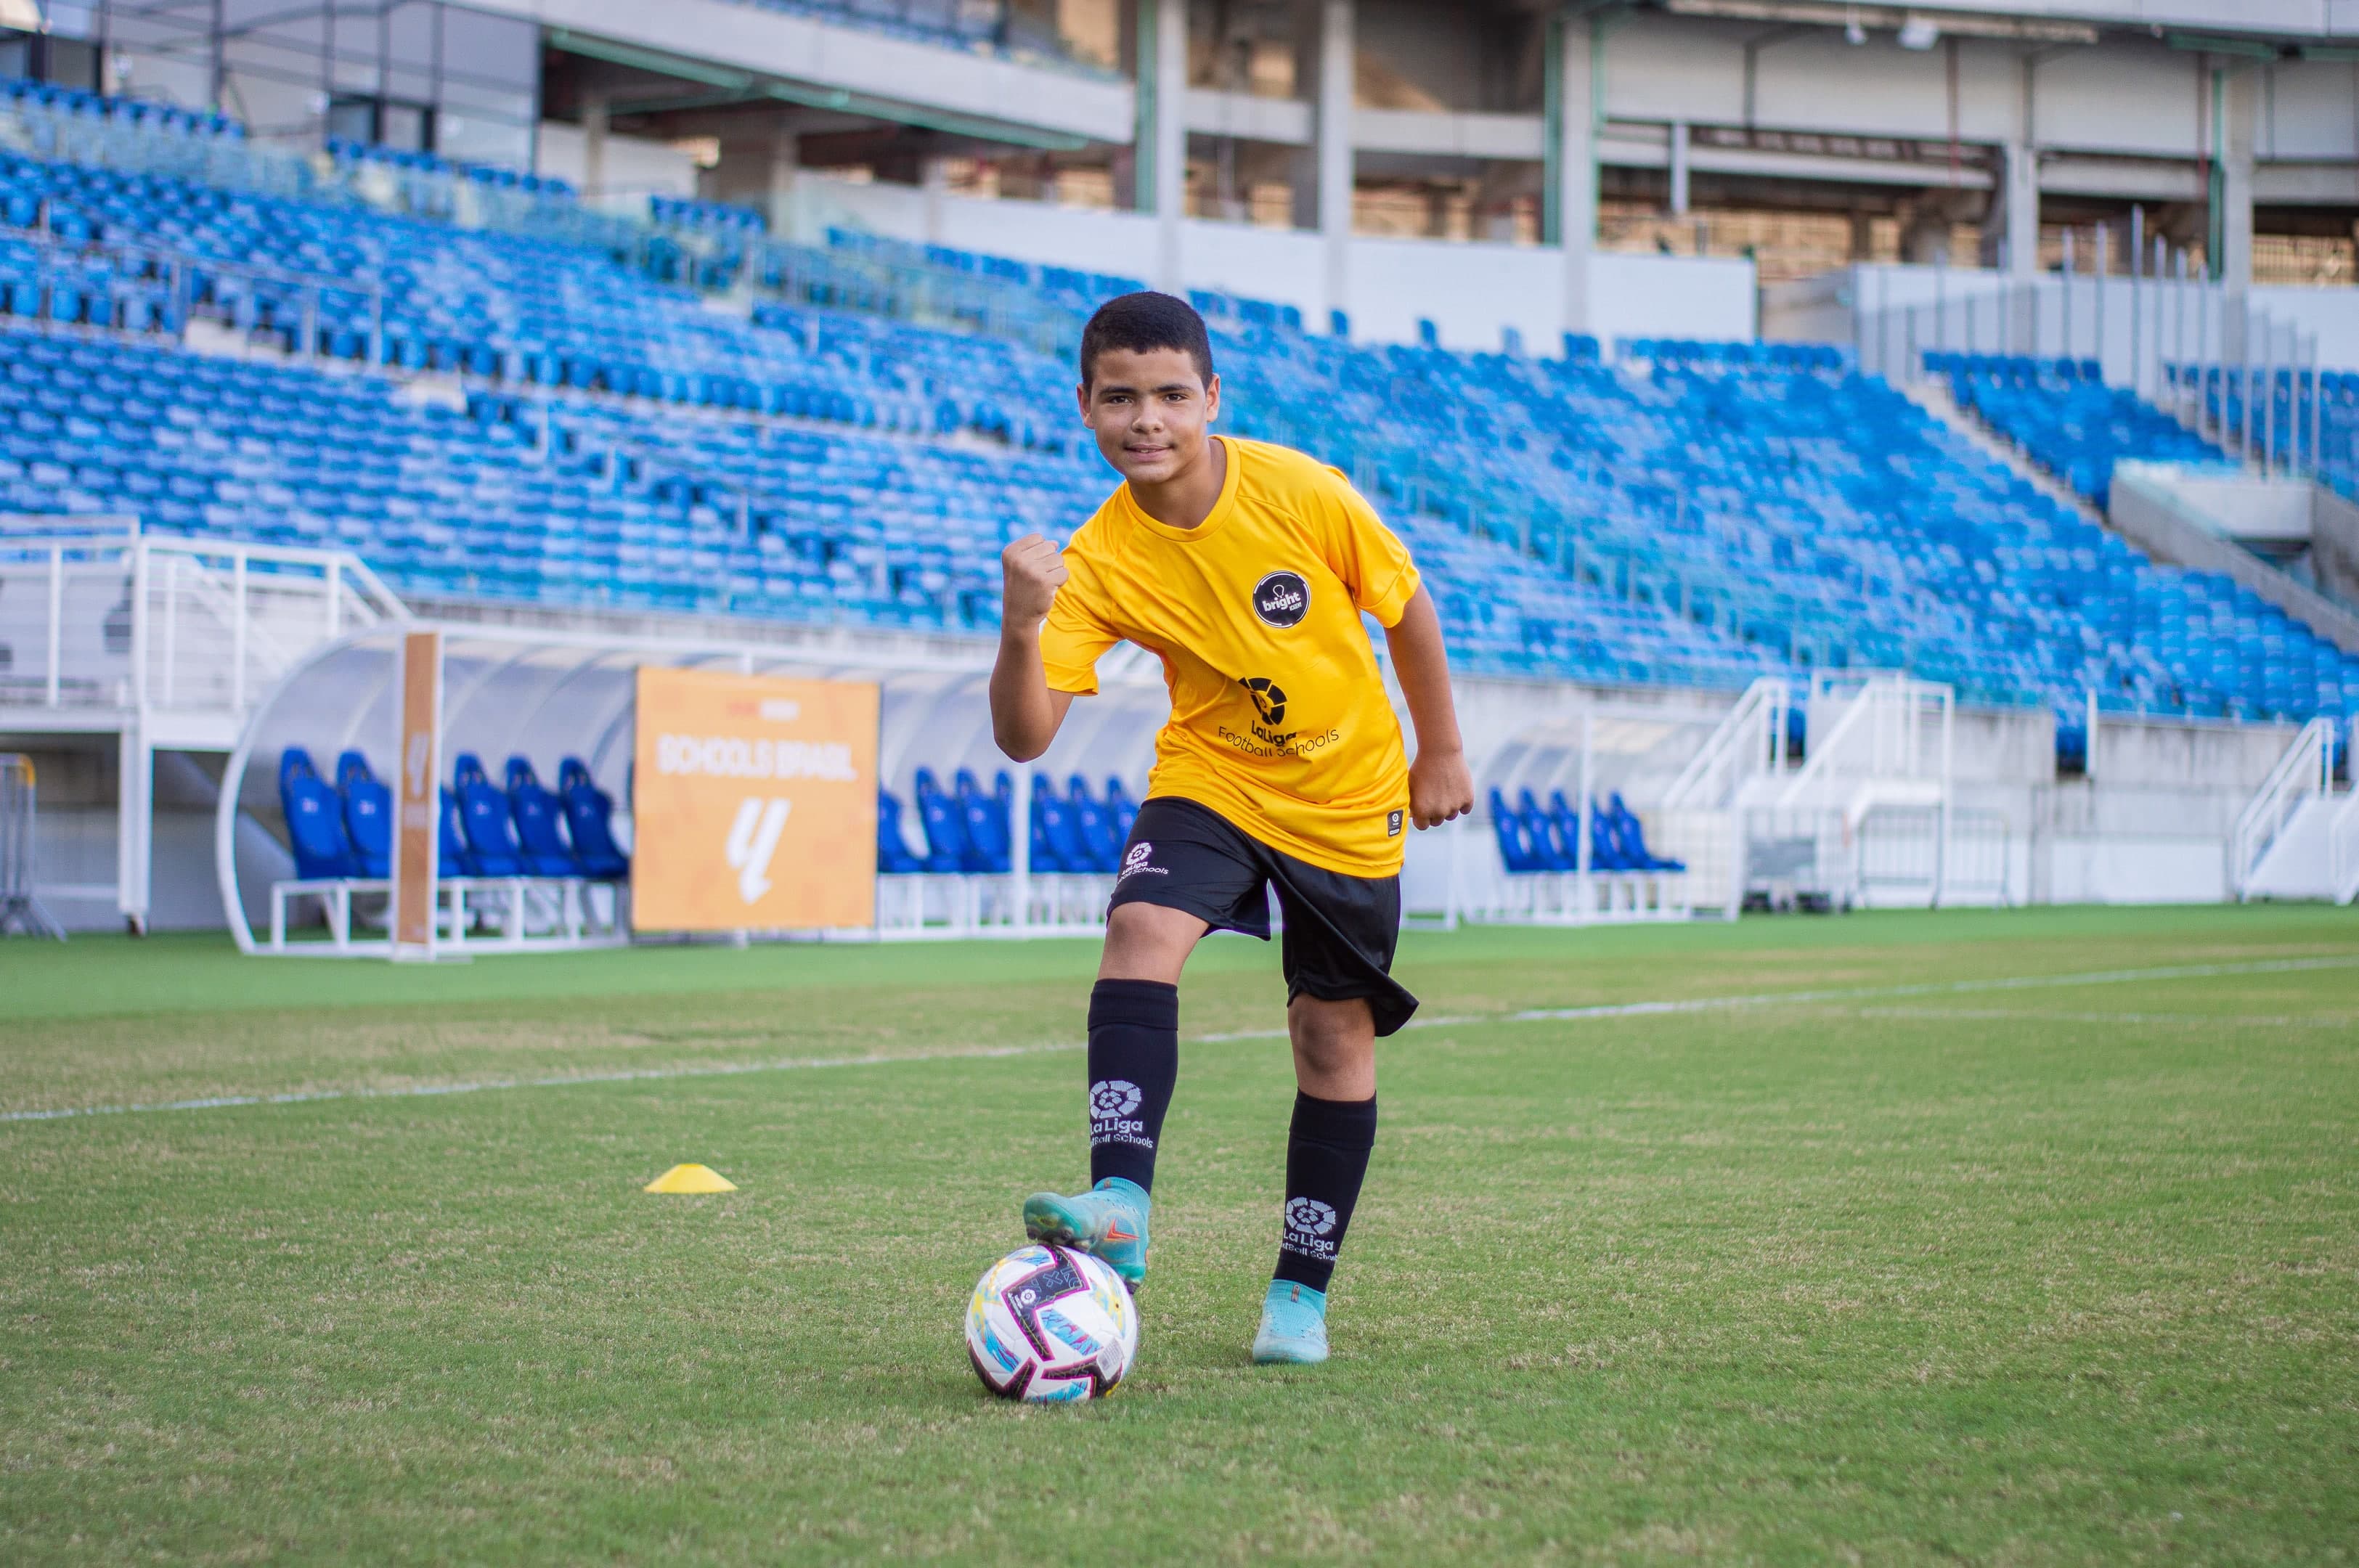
752	839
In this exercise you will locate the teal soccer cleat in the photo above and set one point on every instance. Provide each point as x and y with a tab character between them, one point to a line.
1109	1222
1293	1327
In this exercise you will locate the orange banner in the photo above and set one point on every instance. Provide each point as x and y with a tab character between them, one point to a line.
417	794
753	804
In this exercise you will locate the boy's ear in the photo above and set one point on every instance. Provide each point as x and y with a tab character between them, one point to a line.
1212	398
1082	396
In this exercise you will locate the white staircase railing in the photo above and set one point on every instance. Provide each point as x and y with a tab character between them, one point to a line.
2343	849
1894	730
2305	772
98	614
1737	752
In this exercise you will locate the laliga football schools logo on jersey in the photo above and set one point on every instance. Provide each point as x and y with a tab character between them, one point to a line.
1111	1101
1309	1224
1281	599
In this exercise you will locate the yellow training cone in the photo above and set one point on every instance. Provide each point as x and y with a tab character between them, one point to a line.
692	1179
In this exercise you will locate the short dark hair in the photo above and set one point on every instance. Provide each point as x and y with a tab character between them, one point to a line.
1143	322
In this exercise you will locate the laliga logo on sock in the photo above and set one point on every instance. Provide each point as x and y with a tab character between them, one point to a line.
752	839
1309	1216
1112	1096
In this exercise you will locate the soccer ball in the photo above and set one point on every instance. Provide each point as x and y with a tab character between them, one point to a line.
1051	1326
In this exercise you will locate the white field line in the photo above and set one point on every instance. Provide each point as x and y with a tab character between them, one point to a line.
2230	1020
1528	1016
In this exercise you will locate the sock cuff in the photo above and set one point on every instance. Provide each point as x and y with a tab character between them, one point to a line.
1338	1124
1141	1004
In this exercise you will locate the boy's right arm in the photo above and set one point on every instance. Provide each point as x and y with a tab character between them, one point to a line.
1024	713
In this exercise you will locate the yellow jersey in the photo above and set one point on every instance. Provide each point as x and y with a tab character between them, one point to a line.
1279	719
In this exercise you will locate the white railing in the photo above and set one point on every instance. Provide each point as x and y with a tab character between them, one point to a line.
2306	771
98	614
1738	751
2343	849
1893	729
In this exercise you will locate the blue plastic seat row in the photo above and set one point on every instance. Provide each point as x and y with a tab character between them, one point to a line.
1535	838
968	829
346	829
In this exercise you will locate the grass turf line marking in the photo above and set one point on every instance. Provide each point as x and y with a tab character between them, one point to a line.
1527	1015
2234	1020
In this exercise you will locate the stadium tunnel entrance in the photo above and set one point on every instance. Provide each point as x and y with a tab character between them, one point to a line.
542	709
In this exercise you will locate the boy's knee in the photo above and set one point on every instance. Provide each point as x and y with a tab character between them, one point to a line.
1148	941
1331	1036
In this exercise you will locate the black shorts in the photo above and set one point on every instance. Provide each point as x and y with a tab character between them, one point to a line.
1339	931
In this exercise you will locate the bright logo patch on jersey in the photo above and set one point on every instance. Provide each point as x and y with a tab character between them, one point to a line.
1282	598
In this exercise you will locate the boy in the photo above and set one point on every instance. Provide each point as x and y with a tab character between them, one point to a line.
1245	567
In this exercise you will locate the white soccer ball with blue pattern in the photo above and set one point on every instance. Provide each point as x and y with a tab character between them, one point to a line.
1051	1326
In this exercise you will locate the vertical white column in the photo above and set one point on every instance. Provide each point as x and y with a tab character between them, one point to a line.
1573	122
1338	22
2236	99
786	155
594	145
1169	135
134	808
1679	132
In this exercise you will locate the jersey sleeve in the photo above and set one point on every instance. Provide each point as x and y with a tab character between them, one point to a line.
1370	559
1075	636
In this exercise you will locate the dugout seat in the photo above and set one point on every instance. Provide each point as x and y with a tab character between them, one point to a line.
368	814
590	819
892	857
539	823
989	848
315	820
938	814
1123	809
1094	826
1053	850
491	831
1632	837
1514	835
1556	852
452	856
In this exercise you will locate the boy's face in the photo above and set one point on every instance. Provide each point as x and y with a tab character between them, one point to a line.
1150	411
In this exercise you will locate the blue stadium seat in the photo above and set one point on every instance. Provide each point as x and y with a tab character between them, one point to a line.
492	845
1631	836
989	848
368	814
590	823
1094	826
893	856
1517	851
539	823
315	820
938	814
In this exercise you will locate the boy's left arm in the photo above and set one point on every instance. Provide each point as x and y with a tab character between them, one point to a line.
1440	789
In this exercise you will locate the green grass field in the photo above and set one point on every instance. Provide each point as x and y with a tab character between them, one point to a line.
2022	1237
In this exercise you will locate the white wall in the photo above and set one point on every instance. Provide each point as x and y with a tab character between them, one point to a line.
635	165
1469	291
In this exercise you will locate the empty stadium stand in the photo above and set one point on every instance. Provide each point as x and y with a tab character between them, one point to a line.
1691	515
2067	419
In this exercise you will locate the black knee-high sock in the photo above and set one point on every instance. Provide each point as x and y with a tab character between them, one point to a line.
1326	1159
1133	1061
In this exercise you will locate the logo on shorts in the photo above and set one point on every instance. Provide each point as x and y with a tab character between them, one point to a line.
1282	598
1309	1224
1135	861
1392	824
